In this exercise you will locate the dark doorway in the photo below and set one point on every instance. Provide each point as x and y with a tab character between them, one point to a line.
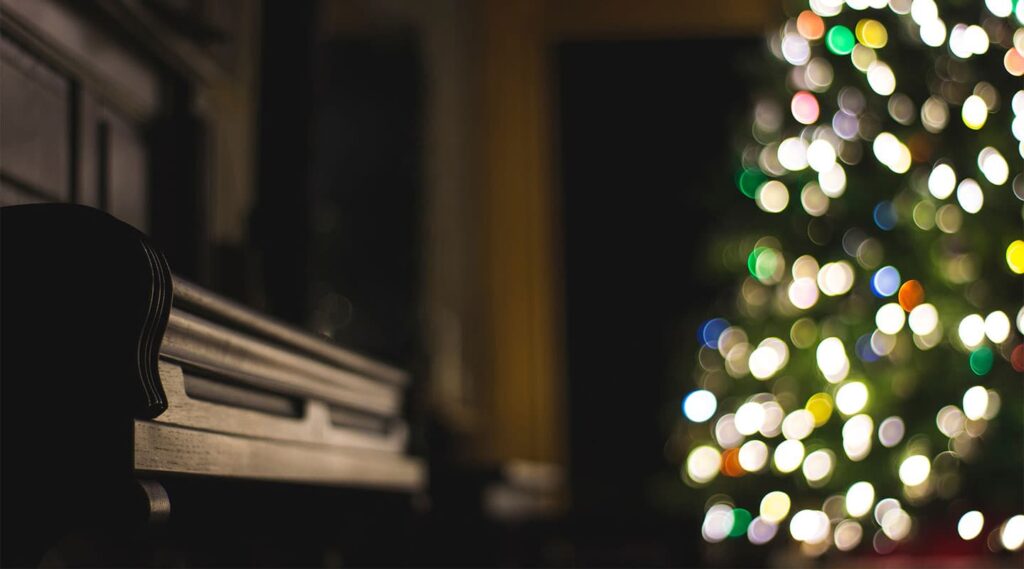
646	168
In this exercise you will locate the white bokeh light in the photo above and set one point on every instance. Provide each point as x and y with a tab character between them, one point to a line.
859	499
851	397
997	326
914	470
969	196
942	181
890	318
788	456
700	405
970	525
753	455
972	330
976	401
923	319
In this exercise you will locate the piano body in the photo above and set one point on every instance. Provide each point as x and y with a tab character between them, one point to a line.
156	422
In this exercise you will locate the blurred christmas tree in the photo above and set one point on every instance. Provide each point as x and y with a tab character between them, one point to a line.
864	393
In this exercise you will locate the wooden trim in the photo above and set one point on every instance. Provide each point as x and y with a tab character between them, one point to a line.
192	340
59	34
314	427
168	449
220	308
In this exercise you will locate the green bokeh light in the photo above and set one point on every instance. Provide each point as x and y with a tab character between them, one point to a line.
762	263
981	360
749	180
840	40
740	520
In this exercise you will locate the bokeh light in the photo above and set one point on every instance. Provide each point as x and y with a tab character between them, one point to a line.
840	40
700	405
885	282
915	469
775	506
810	526
970	525
804	107
851	397
703	464
1015	256
860	498
788	456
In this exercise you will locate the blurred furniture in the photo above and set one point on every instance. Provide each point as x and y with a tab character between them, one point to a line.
118	377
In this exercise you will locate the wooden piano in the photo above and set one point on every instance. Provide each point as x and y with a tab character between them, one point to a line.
125	388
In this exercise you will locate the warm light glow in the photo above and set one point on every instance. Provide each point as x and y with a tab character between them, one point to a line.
753	455
923	319
775	506
993	166
1015	256
871	33
935	112
896	524
792	154
789	455
703	464
821	156
810	526
847	535
859	499
803	293
997	326
970	196
1012	533
819	406
851	397
970	525
974	112
942	181
772	196
976	402
749	418
836	278
890	318
726	433
915	469
833	181
832	360
798	424
857	432
818	466
972	330
881	79
700	405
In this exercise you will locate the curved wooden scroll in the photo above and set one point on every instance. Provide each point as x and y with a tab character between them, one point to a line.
84	302
84	297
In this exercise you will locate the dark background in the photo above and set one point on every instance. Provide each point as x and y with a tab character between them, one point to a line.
645	139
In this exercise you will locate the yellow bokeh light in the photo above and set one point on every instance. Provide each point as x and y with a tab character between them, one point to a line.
820	407
872	33
1015	256
775	506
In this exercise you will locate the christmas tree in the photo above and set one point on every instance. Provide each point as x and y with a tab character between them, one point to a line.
860	391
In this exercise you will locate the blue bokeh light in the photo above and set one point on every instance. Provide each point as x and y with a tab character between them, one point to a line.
863	349
885	215
709	332
885	282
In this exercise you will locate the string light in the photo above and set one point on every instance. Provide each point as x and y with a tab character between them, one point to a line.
934	209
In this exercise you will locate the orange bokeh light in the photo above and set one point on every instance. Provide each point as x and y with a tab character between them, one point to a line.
731	463
911	294
810	25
